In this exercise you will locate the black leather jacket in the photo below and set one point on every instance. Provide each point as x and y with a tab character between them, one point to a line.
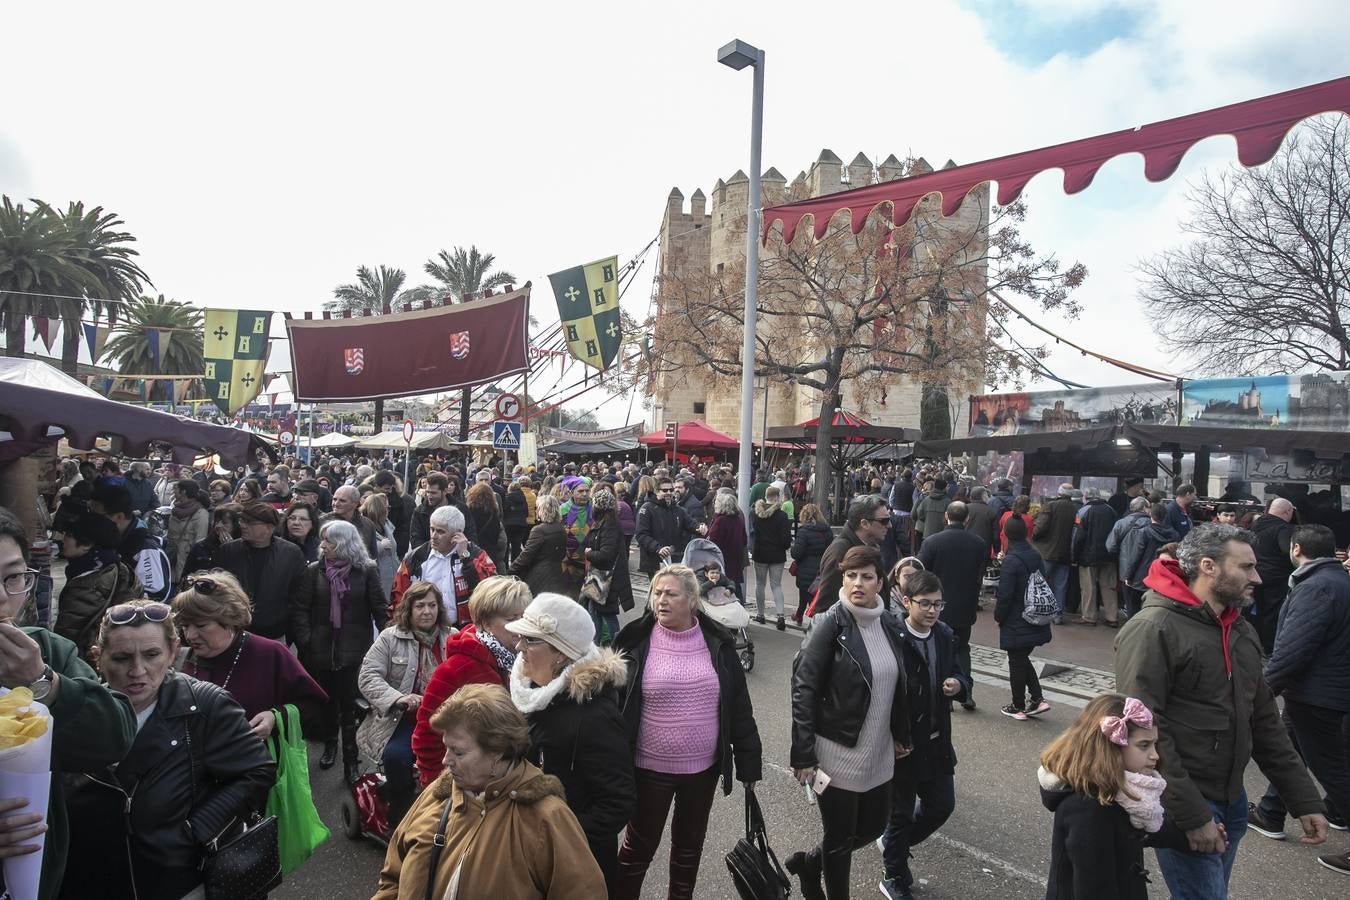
832	685
158	808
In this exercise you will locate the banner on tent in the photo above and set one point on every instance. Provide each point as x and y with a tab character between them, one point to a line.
1042	411
419	352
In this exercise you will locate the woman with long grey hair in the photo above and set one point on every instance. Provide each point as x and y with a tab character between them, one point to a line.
340	608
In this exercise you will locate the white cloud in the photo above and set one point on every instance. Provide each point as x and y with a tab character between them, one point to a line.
261	152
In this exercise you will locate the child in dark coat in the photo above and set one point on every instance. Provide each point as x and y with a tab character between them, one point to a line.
712	583
1101	781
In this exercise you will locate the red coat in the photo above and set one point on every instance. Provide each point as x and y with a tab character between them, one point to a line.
467	661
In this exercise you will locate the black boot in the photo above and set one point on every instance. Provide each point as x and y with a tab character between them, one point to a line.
806	866
351	757
329	754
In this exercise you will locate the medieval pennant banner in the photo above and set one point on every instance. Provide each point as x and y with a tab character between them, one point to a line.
234	350
405	354
588	306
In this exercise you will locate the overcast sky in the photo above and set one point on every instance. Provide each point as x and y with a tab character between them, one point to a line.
261	152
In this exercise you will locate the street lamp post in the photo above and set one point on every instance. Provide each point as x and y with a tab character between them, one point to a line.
737	55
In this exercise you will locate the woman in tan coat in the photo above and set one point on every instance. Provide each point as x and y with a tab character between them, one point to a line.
507	831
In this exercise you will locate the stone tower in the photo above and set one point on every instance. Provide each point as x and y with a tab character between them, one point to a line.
699	242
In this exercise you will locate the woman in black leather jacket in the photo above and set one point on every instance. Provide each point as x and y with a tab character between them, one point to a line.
850	721
139	829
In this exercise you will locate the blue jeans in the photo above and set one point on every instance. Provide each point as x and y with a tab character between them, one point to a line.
609	621
399	778
1204	876
1057	573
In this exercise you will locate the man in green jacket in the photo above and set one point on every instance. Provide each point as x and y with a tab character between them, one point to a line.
92	727
1192	658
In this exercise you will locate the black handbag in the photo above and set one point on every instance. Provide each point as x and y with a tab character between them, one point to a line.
754	867
245	866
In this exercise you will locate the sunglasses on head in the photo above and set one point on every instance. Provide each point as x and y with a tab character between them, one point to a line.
126	613
200	585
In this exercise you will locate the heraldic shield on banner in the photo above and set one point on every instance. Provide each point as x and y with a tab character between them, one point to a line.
588	306
234	352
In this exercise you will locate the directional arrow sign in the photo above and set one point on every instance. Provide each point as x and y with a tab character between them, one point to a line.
508	406
506	435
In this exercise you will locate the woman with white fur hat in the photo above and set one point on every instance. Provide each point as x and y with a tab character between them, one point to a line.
568	689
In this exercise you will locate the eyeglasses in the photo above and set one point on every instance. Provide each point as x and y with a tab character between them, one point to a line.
126	613
200	585
925	605
885	521
665	490
532	641
20	583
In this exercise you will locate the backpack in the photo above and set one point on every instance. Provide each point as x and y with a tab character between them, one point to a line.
1039	606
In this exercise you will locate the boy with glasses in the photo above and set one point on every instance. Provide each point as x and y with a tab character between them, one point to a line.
928	774
92	728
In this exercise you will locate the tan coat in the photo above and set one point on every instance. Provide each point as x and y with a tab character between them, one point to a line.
517	840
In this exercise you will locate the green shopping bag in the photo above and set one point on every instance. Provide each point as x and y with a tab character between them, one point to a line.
299	828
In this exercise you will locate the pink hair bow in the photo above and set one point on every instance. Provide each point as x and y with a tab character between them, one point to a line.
1117	728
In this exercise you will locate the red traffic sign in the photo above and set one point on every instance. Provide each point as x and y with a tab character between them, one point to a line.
672	428
407	431
508	406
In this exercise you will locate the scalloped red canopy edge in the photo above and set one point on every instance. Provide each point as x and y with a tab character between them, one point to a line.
1259	126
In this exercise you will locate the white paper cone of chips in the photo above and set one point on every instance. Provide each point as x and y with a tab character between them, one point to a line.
26	771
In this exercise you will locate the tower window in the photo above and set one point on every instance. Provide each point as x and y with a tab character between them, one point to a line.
699	408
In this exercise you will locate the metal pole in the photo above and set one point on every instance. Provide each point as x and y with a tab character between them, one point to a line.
764	432
309	456
745	460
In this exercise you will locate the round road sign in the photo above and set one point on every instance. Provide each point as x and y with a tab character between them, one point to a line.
508	406
286	438
407	431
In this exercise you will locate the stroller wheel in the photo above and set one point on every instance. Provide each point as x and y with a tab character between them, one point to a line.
747	659
351	817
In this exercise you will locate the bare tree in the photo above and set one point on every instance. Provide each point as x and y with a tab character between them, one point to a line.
864	310
1264	282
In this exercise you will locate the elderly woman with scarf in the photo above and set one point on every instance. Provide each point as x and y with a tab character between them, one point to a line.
568	689
340	604
576	517
393	677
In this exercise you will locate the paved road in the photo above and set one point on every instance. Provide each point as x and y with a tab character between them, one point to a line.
996	845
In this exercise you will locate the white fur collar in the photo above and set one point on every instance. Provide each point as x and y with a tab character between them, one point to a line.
529	699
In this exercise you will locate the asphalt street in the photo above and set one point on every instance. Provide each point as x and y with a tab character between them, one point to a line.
996	845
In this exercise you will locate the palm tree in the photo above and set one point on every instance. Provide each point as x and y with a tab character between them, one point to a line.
103	253
462	272
129	346
371	292
37	259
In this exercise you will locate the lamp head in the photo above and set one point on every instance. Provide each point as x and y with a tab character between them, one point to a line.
738	54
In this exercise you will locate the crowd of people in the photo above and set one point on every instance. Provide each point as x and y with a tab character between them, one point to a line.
467	644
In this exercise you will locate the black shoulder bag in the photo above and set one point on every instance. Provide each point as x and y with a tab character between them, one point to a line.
437	845
754	867
242	862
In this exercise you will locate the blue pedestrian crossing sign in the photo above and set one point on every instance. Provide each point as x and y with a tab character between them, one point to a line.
506	435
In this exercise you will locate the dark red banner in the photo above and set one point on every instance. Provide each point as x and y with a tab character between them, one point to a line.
401	355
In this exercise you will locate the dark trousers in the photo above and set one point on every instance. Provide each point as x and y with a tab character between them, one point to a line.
851	821
515	540
340	711
910	823
693	798
962	633
803	601
1322	737
1022	676
1267	622
1130	599
399	779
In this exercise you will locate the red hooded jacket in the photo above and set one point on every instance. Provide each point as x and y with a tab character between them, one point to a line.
1165	577
467	661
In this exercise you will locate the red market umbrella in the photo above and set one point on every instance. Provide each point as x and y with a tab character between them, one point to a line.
692	436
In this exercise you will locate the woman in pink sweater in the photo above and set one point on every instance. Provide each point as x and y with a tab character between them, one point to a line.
689	718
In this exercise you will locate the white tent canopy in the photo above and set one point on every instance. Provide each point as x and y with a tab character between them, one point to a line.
333	439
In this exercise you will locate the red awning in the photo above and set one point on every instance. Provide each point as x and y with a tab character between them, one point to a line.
841	417
692	435
1258	125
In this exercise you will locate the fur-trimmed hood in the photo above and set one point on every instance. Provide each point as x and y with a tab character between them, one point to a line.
588	678
764	509
525	784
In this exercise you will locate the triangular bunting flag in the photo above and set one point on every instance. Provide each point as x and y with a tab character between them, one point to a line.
45	328
95	336
152	340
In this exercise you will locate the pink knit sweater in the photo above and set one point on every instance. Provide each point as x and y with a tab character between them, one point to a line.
678	734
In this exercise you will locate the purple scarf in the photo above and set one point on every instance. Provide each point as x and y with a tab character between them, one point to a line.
337	571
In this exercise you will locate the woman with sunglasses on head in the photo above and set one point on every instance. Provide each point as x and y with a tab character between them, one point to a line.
212	612
394	675
140	826
334	619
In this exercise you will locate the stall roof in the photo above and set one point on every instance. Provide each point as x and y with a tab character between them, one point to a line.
1183	438
565	448
35	398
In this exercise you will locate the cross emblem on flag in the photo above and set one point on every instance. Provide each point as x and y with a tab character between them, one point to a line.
355	360
459	344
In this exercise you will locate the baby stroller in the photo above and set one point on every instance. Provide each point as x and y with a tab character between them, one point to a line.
365	810
729	613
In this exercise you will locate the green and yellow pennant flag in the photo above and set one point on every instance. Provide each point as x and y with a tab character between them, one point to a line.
234	348
588	305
